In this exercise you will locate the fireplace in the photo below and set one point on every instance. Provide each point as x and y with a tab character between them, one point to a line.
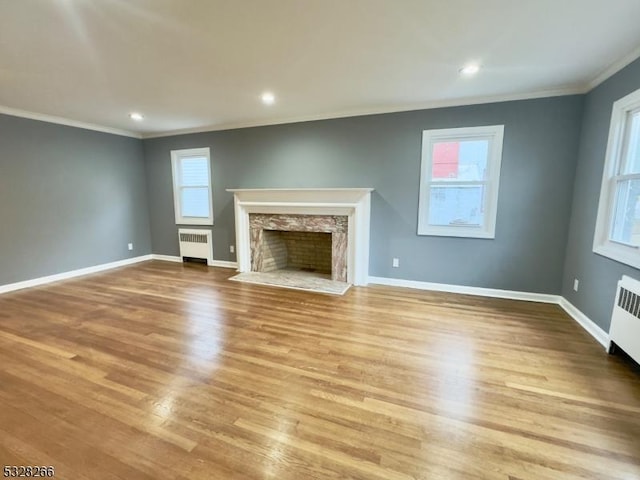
306	242
265	217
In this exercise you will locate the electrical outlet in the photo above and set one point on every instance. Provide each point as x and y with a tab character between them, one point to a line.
576	283
232	249
130	246
395	263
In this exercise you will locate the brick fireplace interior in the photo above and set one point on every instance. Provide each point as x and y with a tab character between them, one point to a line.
316	244
306	251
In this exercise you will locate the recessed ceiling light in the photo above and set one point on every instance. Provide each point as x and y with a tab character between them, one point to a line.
268	98
470	69
138	117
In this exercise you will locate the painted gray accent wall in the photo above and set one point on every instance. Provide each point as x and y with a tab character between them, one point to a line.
69	198
383	151
598	275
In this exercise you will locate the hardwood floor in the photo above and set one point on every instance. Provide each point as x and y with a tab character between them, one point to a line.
159	371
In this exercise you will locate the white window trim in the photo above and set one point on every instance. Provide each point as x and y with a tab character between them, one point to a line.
602	243
176	155
494	160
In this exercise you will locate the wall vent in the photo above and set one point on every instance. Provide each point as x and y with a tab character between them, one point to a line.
193	238
625	319
196	244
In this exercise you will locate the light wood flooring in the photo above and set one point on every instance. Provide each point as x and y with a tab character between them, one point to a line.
163	371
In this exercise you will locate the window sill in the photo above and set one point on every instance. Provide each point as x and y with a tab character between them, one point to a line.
620	253
194	221
456	232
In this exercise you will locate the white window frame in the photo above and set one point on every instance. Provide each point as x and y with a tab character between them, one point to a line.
495	135
176	156
602	242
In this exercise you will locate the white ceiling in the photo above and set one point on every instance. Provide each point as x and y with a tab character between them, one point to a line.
202	64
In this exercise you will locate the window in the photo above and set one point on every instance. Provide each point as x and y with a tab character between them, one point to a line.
617	233
192	186
459	181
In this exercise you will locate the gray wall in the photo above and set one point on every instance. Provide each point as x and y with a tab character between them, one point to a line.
383	151
598	275
69	198
72	198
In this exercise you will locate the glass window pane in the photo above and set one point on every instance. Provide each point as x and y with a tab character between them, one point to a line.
460	161
194	171
632	144
456	205
195	202
626	218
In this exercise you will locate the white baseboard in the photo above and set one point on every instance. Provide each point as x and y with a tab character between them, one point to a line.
225	264
585	322
216	263
589	325
72	274
483	292
166	258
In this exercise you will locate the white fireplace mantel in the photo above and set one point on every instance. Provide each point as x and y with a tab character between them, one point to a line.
355	203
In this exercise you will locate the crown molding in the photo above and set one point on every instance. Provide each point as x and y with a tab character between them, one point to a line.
572	90
614	68
14	112
569	90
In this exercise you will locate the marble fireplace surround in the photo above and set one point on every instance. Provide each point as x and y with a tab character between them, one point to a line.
354	203
335	225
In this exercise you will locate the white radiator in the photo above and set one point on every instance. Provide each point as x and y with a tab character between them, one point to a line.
196	244
625	320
